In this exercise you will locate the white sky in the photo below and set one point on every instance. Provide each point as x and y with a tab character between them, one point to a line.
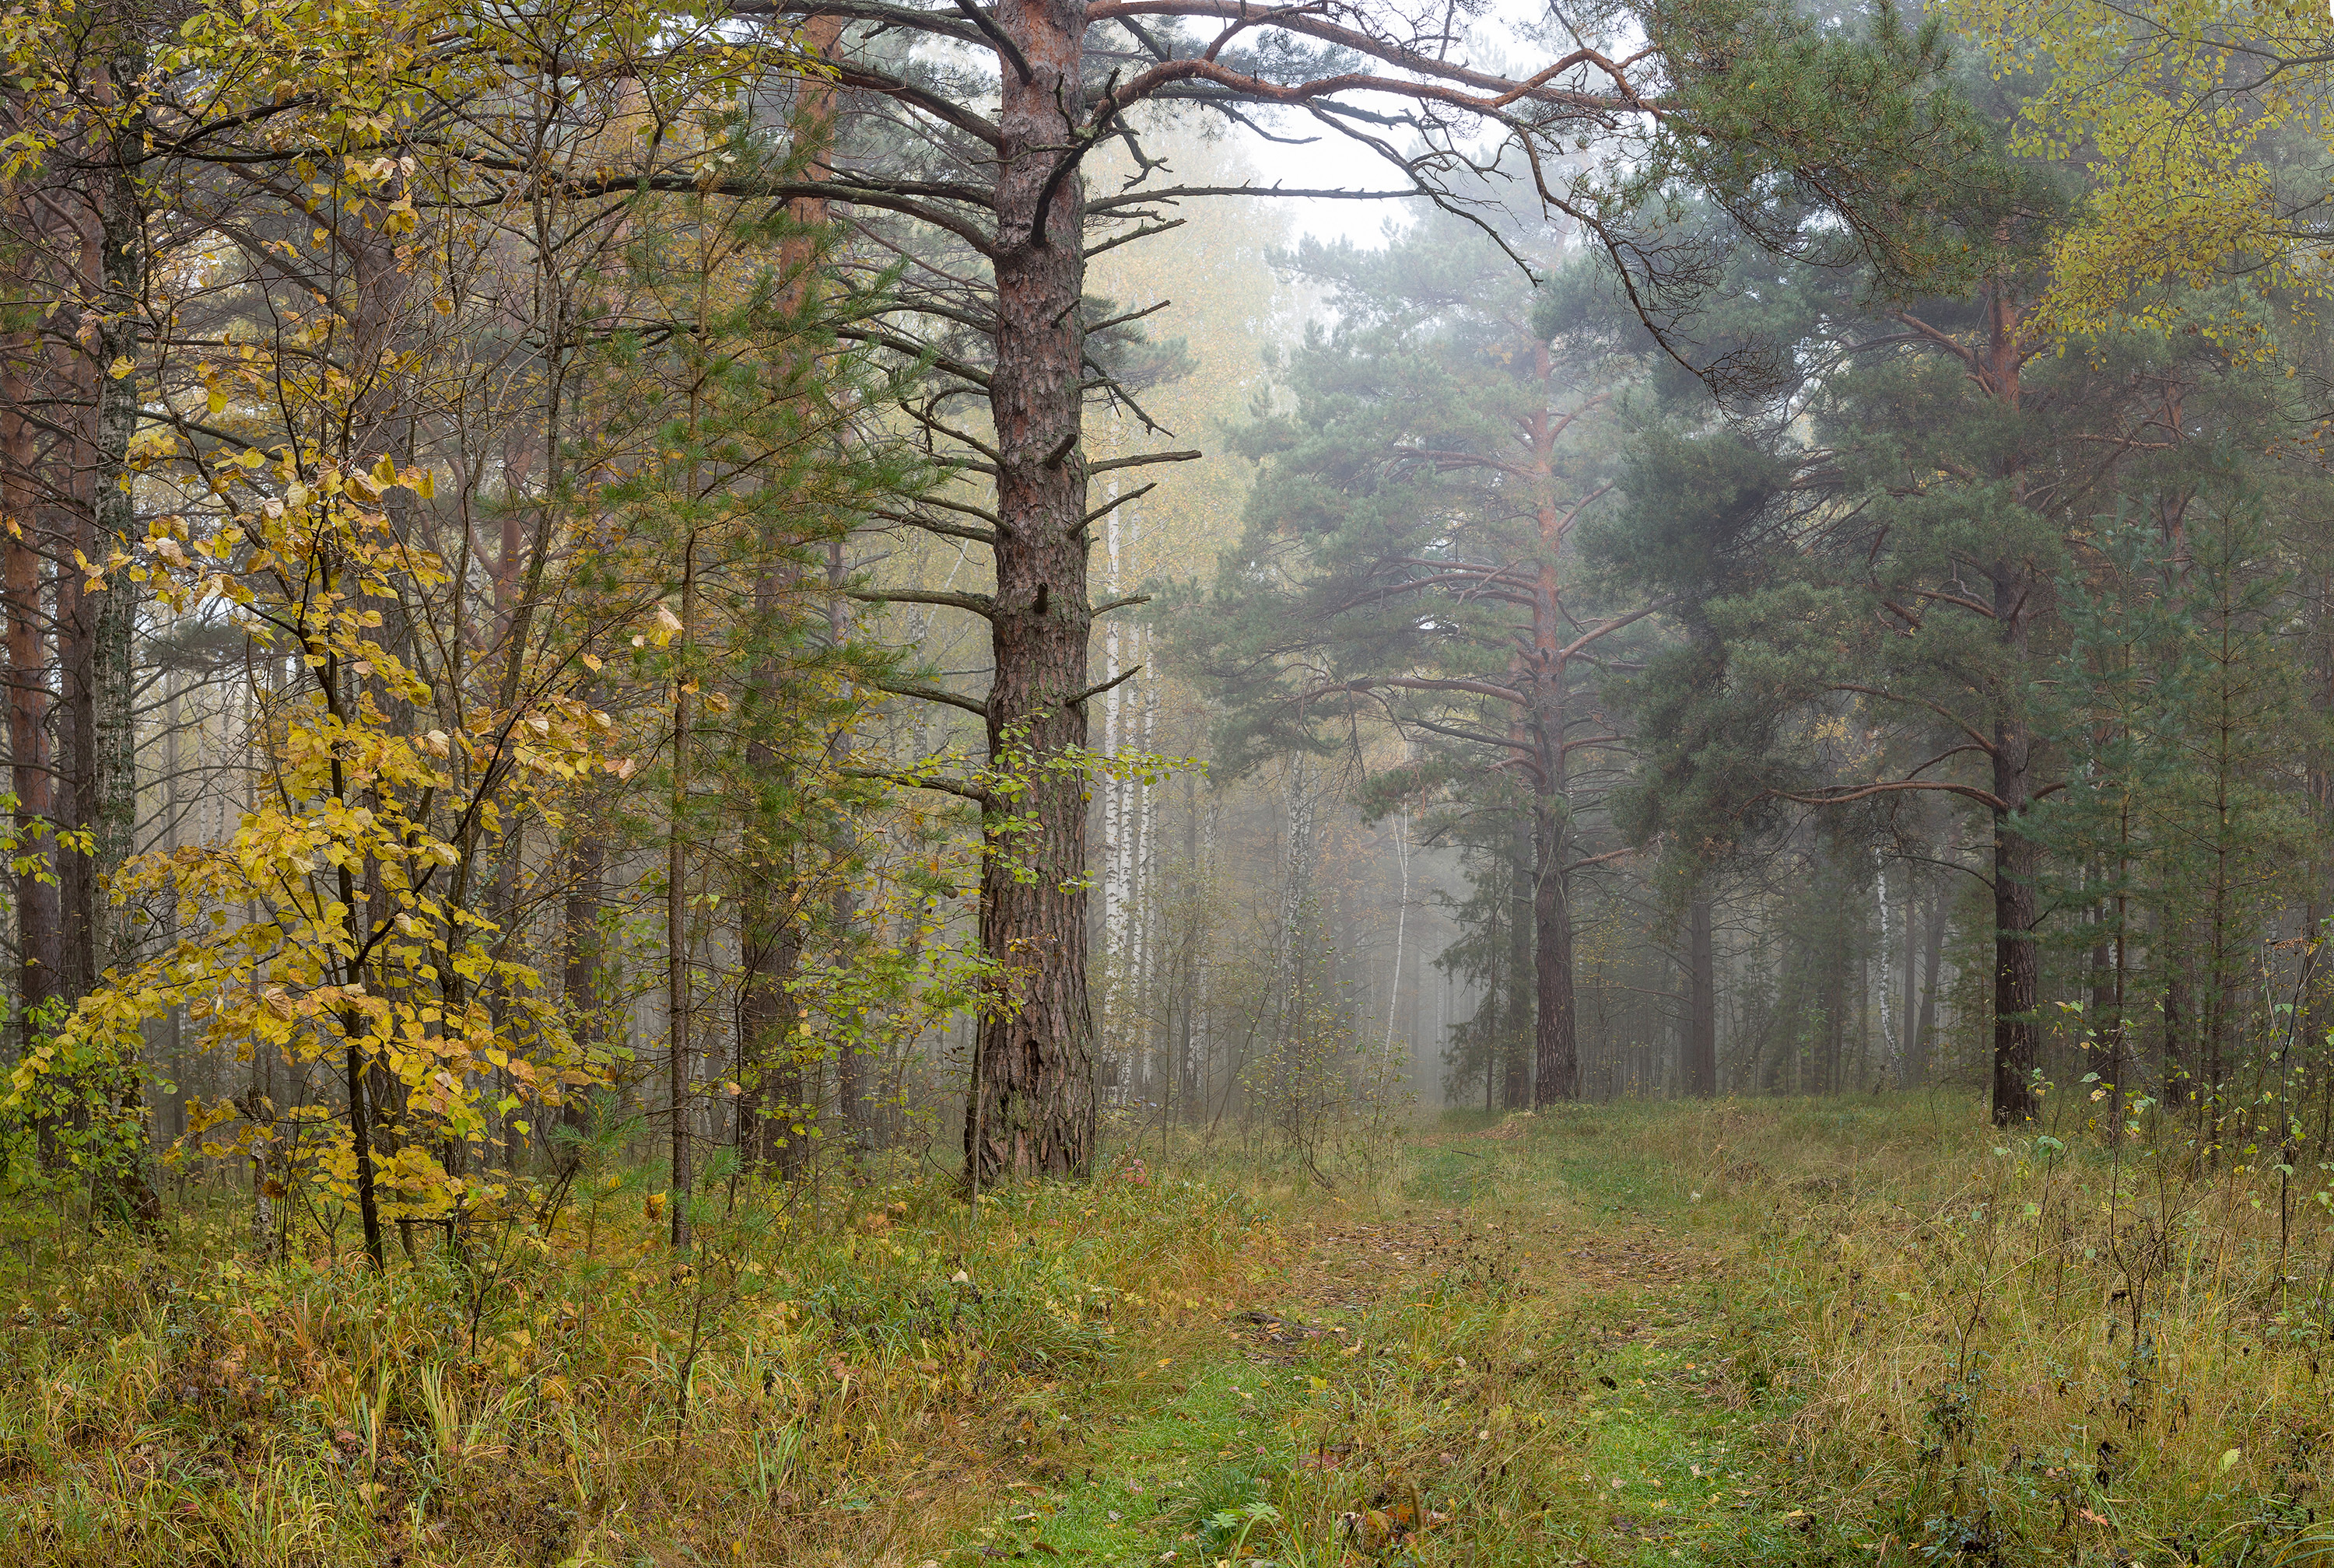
1330	163
1493	42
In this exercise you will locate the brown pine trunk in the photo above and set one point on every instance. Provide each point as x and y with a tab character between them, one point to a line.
2016	977
75	758
1556	1050
40	954
1555	1044
769	929
2017	967
1032	1109
2017	600
112	675
772	1099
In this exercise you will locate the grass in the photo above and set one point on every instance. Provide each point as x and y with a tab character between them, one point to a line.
1756	1332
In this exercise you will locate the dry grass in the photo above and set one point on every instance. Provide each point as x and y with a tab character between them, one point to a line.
2024	1350
1762	1332
858	1389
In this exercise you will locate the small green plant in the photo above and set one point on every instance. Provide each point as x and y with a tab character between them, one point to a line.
1237	1524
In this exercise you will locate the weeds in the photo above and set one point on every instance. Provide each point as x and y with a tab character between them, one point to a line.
1764	1335
789	1394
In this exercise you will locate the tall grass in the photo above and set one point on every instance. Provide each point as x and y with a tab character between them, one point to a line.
800	1393
2024	1349
1771	1332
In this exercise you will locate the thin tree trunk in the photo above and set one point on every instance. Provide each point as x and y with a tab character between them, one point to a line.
1529	971
1932	967
1908	1045
676	928
2017	976
1700	1073
1555	1044
580	972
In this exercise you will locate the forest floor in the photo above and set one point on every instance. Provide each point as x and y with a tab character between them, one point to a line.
1769	1332
1521	1351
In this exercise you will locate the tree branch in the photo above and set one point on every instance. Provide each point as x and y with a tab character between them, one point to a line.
1125	674
979	605
933	694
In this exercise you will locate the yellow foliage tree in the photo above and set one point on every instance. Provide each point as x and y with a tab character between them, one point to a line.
322	927
2183	116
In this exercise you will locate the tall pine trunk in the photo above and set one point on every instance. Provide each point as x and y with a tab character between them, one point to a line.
2018	592
1520	1055
2017	964
1555	1043
40	955
771	936
1032	1108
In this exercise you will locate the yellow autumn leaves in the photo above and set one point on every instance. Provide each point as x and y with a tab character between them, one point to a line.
2181	116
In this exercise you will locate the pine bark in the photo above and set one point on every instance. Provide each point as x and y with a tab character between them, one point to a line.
2017	591
40	956
114	806
1527	940
2017	858
1032	1109
1556	1026
766	1015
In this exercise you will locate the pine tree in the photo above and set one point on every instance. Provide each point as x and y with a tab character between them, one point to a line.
1410	562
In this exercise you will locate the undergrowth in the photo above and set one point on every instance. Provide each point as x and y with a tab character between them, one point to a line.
1805	1332
1965	1347
799	1394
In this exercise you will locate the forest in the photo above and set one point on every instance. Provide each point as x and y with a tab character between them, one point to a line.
897	782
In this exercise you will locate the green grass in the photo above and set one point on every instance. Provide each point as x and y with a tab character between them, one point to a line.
1480	1407
1779	1333
1773	1334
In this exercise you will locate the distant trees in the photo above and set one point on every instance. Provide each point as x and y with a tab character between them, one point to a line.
1410	562
1876	586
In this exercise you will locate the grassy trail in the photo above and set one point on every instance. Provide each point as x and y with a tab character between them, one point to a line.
1813	1333
1525	1359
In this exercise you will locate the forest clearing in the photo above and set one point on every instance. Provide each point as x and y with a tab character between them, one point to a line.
1785	1332
1346	784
